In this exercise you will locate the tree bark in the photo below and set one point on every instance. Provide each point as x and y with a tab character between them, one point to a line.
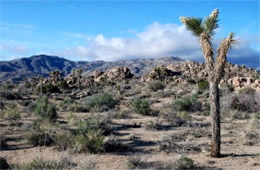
215	114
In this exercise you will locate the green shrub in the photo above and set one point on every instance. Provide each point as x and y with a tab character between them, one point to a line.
153	125
63	140
39	163
11	113
178	119
101	102
90	142
62	84
247	90
94	124
187	103
142	107
156	85
45	110
203	85
184	163
49	88
39	138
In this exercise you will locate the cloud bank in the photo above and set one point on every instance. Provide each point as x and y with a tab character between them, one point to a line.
158	40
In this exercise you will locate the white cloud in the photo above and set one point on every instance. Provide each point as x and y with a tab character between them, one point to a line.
155	41
12	48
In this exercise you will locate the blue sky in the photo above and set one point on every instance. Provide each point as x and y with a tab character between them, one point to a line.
113	30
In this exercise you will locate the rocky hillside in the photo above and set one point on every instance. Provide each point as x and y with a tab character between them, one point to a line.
23	68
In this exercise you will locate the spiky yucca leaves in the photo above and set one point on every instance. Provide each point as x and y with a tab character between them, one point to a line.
193	24
221	58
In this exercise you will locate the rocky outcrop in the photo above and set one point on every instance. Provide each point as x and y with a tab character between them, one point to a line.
241	82
161	73
114	74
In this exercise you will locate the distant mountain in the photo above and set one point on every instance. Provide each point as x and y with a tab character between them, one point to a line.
20	69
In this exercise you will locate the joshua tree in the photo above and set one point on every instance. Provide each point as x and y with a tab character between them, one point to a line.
204	30
55	77
77	74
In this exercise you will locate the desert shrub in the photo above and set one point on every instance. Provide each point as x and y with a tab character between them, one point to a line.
203	85
252	138
101	102
75	107
153	125
122	114
4	164
62	84
63	140
136	162
9	94
3	142
45	110
156	85
11	113
95	124
176	118
66	102
191	81
39	163
39	138
247	90
72	119
244	103
49	88
142	106
184	163
187	103
87	164
92	142
113	144
257	115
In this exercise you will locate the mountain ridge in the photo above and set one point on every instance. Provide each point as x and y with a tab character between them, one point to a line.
42	65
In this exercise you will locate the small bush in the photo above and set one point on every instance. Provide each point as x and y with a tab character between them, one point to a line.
191	81
101	102
184	163
49	88
122	114
142	107
91	142
62	85
156	85
63	140
11	114
39	163
3	142
187	103
45	110
136	162
247	90
95	124
203	85
153	125
39	138
178	119
243	103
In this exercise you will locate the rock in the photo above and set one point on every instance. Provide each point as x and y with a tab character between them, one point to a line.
115	74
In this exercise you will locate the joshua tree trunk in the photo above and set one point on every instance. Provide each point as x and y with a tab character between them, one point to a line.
215	113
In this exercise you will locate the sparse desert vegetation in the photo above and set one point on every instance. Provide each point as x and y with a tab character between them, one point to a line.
168	118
